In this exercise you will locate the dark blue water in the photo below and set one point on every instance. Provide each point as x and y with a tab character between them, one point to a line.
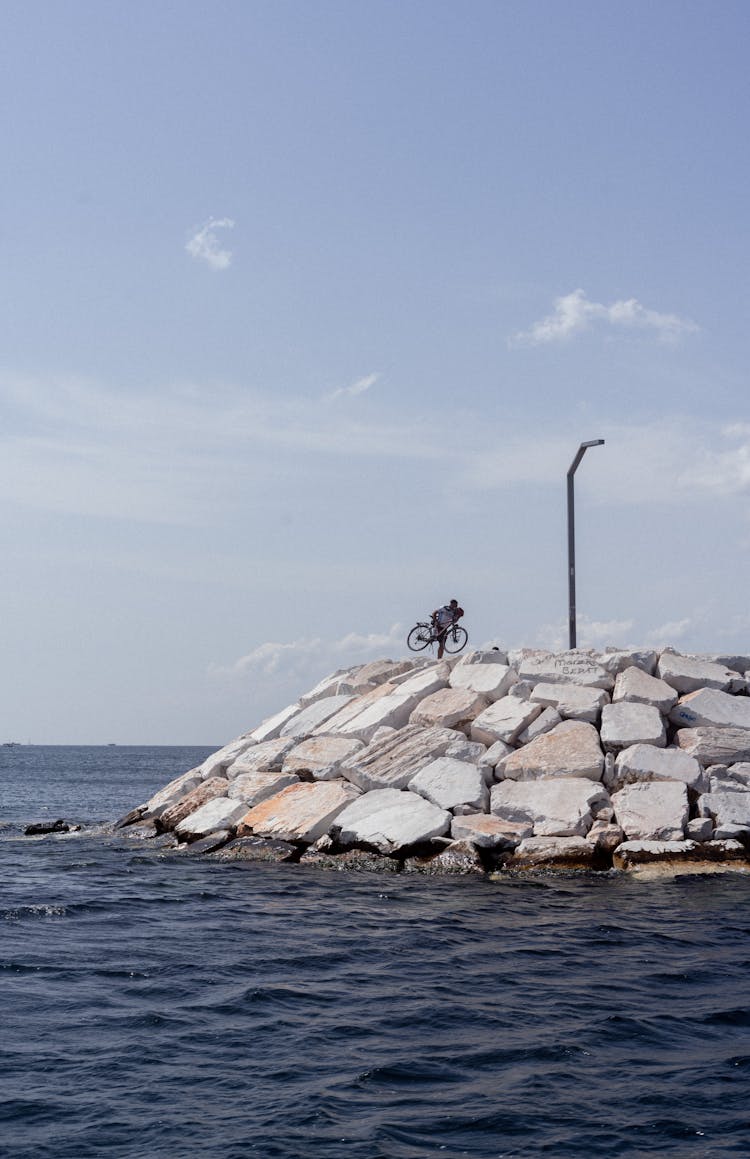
157	1005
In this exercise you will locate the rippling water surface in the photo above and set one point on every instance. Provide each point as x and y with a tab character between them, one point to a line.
158	1005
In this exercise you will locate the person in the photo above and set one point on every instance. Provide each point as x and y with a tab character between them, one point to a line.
443	619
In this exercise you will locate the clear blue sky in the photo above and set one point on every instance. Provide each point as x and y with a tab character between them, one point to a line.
306	308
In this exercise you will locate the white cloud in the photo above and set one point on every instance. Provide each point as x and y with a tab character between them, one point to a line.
358	387
574	313
204	245
668	633
298	665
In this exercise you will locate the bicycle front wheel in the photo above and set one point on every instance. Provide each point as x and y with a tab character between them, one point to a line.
456	639
418	638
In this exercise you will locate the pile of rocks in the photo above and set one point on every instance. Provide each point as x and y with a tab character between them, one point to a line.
491	762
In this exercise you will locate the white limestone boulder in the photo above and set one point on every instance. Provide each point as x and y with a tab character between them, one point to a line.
449	783
301	812
503	720
548	719
554	853
638	687
221	813
320	756
308	719
699	829
337	684
606	836
488	656
220	761
652	810
392	711
356	705
709	706
715	746
269	754
464	749
556	808
644	762
572	701
626	724
378	672
171	793
632	854
270	728
489	832
449	708
424	681
615	660
726	810
571	749
206	791
392	762
490	680
495	753
252	788
390	820
579	666
689	673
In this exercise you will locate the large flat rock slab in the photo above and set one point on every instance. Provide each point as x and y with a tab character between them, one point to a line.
378	672
356	705
627	723
425	681
190	802
489	832
556	808
504	720
572	701
639	687
302	812
448	783
644	762
219	814
571	749
715	746
313	716
253	787
709	706
666	858
338	683
652	810
220	761
267	755
390	820
689	673
449	708
553	853
578	666
488	679
393	761
616	660
320	757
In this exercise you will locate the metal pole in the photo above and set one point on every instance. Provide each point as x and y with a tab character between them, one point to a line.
572	540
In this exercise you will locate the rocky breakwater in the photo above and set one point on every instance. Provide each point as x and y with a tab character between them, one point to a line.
526	761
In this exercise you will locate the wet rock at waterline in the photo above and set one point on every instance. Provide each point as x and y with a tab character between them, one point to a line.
488	763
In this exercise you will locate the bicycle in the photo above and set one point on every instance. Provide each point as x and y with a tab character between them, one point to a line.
424	633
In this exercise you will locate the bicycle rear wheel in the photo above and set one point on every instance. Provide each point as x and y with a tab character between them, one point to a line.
418	638
456	639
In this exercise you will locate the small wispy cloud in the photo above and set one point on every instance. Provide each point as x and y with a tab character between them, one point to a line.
574	313
358	387
205	246
294	667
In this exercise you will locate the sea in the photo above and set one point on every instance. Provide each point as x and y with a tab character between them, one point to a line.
155	1004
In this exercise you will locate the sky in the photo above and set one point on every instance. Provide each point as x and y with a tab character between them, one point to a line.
306	308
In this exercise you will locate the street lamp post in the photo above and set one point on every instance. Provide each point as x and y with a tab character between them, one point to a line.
572	540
